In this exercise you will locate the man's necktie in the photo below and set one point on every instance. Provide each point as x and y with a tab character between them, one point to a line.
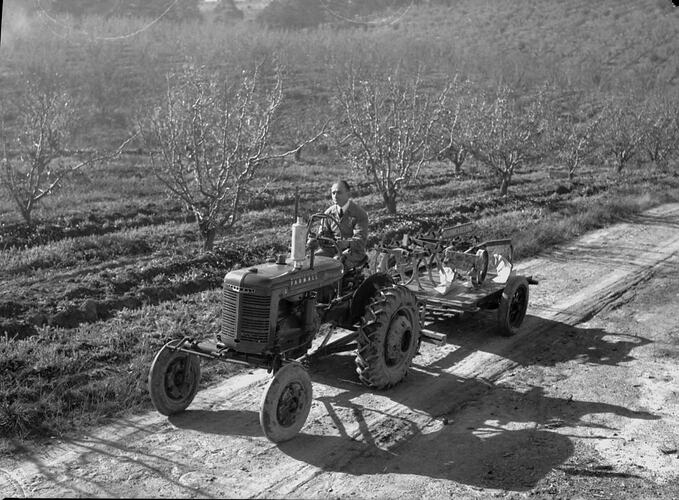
341	213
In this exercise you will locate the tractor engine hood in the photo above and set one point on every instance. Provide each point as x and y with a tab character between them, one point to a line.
263	279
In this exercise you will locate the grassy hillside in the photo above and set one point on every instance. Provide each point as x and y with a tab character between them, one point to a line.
113	266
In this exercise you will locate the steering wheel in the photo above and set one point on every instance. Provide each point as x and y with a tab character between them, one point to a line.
329	240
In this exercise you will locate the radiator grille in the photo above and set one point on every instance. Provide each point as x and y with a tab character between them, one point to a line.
245	316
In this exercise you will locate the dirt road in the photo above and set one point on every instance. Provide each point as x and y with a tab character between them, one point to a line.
584	402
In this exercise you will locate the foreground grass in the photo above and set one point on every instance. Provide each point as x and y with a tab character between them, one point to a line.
65	379
62	379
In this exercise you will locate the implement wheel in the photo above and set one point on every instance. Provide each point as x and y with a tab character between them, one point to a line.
481	267
286	403
513	305
173	379
388	338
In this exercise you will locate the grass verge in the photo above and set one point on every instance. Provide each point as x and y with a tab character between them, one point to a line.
583	216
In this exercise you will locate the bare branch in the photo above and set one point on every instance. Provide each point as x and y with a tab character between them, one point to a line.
213	139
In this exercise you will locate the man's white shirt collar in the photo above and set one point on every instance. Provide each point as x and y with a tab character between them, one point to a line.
345	206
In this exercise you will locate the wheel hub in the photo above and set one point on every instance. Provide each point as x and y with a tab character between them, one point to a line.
290	404
398	340
176	380
517	306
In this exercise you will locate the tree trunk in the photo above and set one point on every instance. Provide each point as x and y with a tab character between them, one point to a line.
572	168
389	202
619	166
504	186
208	234
459	159
26	214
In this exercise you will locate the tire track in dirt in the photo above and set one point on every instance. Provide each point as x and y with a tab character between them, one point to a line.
216	448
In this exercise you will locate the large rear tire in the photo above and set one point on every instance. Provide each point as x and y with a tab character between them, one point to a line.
286	403
173	379
388	338
513	306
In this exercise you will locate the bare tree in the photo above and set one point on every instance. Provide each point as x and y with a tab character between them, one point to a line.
575	140
507	132
623	131
452	133
211	136
296	122
386	122
662	129
36	143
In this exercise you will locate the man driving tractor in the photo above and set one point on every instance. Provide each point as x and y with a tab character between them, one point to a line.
352	232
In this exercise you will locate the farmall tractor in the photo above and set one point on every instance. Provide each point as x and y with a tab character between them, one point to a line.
272	312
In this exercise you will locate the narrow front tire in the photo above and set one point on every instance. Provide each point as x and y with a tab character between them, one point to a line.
173	379
286	403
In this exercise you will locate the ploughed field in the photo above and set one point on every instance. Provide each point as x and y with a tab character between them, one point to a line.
113	269
81	267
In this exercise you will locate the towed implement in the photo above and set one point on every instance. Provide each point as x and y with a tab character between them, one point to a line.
271	314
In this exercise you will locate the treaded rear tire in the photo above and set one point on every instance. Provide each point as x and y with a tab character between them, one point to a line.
388	338
513	306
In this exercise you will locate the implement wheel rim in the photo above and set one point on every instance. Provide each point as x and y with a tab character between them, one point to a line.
291	404
518	306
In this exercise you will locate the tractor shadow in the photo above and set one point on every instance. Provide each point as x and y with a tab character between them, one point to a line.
220	422
473	432
484	435
540	342
509	460
478	434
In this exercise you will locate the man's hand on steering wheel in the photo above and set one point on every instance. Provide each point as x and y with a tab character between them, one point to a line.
326	236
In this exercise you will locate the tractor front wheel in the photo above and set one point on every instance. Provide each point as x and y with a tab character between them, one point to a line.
388	338
173	379
513	305
286	403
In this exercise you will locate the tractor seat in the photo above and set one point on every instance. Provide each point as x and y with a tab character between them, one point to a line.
356	268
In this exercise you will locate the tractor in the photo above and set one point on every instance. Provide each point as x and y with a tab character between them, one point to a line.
270	315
